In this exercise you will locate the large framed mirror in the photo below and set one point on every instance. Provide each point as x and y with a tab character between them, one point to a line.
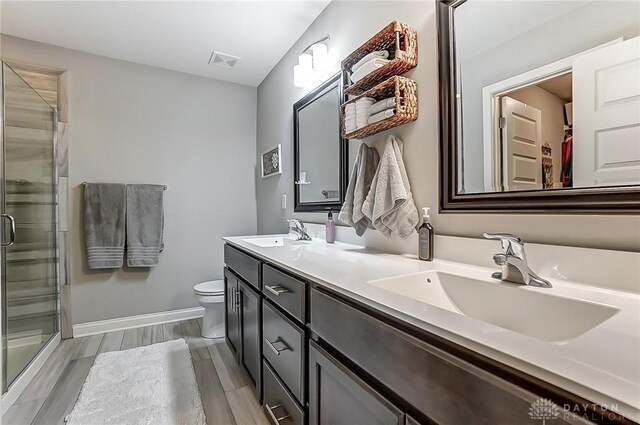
320	153
539	105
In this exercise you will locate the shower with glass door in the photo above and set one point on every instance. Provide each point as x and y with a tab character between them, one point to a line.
28	198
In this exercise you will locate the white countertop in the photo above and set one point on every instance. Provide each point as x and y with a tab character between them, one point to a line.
601	365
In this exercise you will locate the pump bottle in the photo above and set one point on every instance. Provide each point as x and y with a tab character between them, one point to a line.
425	236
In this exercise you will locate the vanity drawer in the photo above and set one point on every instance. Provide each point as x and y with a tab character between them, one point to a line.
278	402
285	291
445	388
284	348
244	265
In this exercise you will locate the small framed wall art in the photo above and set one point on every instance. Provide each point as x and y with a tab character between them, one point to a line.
272	161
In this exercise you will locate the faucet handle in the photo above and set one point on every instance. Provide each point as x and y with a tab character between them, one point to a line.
511	244
499	236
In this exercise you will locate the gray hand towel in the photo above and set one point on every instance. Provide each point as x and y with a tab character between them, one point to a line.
104	224
364	169
389	204
145	220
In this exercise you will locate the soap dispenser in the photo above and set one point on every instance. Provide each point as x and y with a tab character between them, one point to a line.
330	228
425	236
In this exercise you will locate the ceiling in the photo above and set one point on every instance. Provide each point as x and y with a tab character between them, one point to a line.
176	35
561	86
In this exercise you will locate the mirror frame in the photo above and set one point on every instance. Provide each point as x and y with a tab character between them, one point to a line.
601	200
336	81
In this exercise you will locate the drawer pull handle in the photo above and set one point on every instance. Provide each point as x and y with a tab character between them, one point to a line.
275	349
273	416
276	289
233	300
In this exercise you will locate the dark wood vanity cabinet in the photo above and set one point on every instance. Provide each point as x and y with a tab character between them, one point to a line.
250	332
284	347
232	311
444	384
337	396
320	358
243	315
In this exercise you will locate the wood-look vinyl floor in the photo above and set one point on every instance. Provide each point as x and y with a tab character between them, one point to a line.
226	397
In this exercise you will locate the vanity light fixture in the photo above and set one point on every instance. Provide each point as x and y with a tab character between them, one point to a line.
312	59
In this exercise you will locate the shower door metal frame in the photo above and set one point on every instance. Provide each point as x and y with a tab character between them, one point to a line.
3	266
3	263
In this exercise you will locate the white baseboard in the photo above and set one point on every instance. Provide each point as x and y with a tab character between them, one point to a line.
21	382
122	323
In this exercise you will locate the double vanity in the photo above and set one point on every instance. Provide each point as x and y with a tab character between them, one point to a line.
342	334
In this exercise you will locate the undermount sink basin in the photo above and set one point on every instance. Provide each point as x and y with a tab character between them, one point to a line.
273	241
266	242
522	309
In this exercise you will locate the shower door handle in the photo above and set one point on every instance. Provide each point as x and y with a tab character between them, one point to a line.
12	232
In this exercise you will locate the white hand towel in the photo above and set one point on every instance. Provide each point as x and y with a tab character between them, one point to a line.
367	68
350	108
383	105
381	116
380	54
350	125
359	185
365	101
389	204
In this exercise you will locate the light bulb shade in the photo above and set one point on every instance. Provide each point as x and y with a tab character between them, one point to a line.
306	61
300	76
320	55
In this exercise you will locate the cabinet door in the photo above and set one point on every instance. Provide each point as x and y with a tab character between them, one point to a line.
251	332
338	397
232	310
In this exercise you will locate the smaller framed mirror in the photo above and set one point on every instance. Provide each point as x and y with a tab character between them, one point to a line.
320	153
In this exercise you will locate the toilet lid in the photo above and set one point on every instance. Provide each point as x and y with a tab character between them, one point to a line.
213	287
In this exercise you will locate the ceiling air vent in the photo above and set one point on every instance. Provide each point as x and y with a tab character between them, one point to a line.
222	59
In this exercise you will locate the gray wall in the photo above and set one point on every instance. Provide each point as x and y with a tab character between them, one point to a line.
276	94
132	123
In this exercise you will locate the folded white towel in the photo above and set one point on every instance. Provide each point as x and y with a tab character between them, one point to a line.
383	105
381	116
350	125
365	100
389	204
364	169
367	68
363	105
381	54
350	108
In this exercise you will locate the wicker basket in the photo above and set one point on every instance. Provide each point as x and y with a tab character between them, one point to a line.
405	92
400	40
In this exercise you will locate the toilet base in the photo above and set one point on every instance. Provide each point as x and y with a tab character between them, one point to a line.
213	323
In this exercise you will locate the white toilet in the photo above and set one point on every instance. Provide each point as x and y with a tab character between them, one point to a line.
210	295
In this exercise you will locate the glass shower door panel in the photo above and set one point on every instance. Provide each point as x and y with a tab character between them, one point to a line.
29	265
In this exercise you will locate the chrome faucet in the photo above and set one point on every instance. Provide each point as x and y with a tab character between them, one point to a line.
297	226
514	262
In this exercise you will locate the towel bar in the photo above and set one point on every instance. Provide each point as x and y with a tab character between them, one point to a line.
164	186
